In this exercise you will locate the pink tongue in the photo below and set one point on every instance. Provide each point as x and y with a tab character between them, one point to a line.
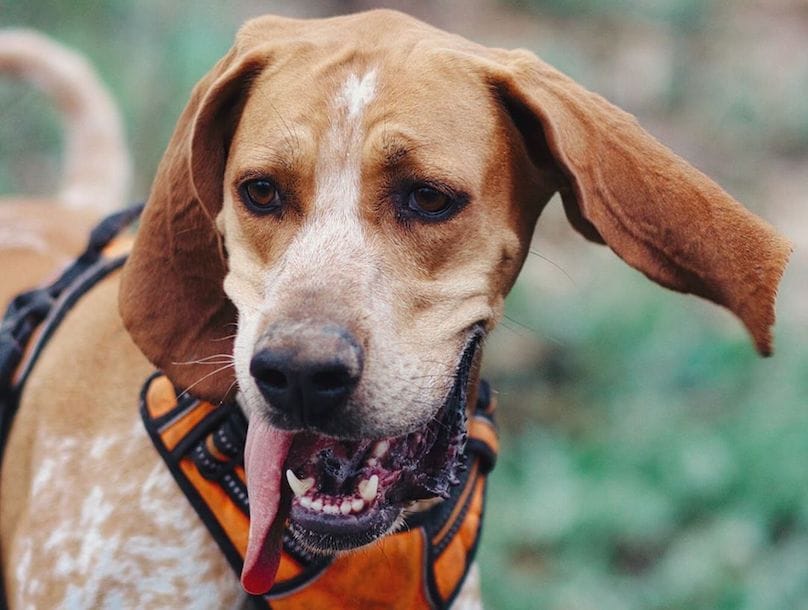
264	455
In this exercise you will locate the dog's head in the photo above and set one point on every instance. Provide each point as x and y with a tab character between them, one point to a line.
343	207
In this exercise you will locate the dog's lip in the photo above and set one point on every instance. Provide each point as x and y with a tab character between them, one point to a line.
400	470
324	533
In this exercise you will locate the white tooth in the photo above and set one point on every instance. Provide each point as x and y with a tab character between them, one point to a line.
368	491
305	502
345	507
317	505
381	448
330	509
357	504
298	486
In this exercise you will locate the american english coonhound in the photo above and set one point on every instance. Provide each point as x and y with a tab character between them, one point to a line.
331	233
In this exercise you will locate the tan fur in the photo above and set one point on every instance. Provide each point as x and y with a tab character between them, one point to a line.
90	514
38	236
501	126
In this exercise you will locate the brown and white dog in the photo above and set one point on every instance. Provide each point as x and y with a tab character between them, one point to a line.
335	224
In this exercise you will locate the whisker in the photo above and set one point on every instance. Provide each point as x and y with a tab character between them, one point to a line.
530	331
222	359
226	337
230	387
211	363
554	264
201	379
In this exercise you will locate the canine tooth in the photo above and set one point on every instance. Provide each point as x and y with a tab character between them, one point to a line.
298	486
357	504
317	505
345	507
369	489
305	502
330	509
381	448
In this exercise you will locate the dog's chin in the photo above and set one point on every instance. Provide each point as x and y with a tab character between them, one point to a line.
351	493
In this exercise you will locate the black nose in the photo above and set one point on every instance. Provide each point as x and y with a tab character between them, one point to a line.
305	371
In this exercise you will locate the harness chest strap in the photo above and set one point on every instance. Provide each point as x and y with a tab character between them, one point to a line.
424	566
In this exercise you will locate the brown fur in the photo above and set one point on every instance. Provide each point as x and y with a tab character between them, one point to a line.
501	126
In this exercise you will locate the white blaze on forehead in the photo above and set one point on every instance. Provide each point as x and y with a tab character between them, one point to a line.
332	238
339	162
356	93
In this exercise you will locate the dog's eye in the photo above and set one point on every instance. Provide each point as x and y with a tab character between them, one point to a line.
260	195
430	202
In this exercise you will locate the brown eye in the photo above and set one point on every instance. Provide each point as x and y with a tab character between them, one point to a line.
430	202
260	195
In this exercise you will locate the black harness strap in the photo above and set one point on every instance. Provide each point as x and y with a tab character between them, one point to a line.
46	307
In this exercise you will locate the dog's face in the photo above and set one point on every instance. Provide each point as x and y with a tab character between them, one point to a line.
359	208
370	246
362	229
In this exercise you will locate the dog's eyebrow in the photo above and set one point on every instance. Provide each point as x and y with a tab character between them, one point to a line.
399	150
396	153
268	157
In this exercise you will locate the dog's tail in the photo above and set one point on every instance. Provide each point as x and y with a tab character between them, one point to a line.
97	165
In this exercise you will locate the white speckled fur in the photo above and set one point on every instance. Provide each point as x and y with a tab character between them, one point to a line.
98	557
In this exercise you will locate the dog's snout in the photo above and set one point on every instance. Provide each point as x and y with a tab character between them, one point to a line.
307	372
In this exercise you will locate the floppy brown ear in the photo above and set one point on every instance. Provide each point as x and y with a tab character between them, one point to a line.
658	213
171	297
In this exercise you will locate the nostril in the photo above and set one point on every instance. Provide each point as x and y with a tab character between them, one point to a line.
331	380
267	369
274	379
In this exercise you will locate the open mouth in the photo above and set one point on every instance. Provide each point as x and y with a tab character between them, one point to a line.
346	494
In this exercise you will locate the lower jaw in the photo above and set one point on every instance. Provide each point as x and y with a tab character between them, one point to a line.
321	533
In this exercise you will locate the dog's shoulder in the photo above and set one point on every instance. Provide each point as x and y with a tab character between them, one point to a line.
82	480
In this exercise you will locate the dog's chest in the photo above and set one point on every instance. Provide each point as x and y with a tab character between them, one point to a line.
108	528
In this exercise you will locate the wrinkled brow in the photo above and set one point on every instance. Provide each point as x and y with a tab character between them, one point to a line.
398	150
284	156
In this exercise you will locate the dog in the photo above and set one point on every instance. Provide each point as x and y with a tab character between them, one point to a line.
331	233
40	235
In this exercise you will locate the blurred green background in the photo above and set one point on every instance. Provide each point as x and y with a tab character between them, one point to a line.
651	460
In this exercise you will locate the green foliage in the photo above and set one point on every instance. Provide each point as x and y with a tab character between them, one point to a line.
681	13
674	476
23	161
149	53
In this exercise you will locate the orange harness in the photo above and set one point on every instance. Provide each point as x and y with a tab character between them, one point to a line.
421	567
203	447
